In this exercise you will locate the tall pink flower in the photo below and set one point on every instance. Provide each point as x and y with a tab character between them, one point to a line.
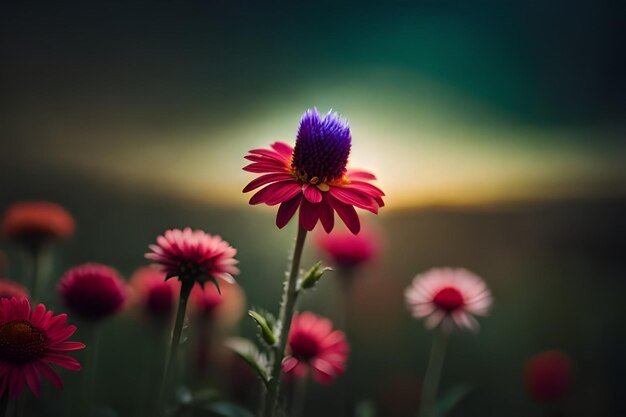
313	177
93	291
194	256
314	347
29	342
152	294
448	297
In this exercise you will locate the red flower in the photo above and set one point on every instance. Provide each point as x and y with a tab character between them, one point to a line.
93	291
313	176
193	255
347	250
152	294
548	375
226	308
37	221
314	346
10	289
29	342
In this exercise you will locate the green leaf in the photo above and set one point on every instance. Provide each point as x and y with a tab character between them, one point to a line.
266	331
313	275
448	401
251	355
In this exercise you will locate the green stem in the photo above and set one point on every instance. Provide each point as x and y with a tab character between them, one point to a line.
36	256
290	296
433	374
185	290
91	363
299	396
4	405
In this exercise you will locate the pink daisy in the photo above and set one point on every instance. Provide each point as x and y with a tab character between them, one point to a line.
346	250
193	255
313	176
448	297
29	342
315	347
93	291
152	294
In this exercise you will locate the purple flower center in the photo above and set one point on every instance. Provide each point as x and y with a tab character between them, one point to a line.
322	147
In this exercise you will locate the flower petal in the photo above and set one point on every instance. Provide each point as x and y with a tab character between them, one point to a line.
312	193
347	213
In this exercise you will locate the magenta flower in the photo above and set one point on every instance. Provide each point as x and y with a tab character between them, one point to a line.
152	294
448	297
34	222
93	291
548	375
29	342
313	176
10	289
194	256
346	250
315	347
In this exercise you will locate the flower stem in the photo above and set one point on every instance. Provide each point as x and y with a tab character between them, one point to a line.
91	363
290	296
185	290
299	396
36	260
433	374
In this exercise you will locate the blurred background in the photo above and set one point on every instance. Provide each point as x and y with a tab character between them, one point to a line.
495	128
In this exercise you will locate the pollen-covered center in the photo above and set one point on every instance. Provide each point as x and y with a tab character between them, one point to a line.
20	342
304	346
191	270
322	148
449	299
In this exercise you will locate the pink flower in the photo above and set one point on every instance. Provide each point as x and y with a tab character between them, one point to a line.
29	342
193	255
448	297
313	176
226	308
152	294
314	346
93	291
548	375
37	221
10	289
347	250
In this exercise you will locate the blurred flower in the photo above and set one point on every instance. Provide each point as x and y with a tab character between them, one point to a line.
34	222
10	289
448	297
152	294
29	342
194	256
313	176
93	291
226	309
314	346
346	250
548	375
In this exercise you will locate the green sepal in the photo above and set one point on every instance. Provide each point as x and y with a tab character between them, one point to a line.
313	275
266	331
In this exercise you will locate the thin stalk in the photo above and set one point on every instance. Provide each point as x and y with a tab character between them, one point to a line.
299	396
345	384
185	290
21	405
285	317
433	374
36	254
91	363
4	404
